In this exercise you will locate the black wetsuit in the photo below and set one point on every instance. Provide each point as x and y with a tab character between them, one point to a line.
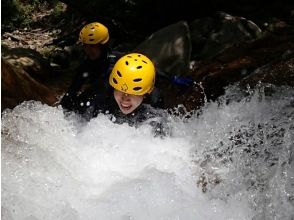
155	117
90	84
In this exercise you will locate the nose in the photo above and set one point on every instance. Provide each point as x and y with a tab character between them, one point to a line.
125	96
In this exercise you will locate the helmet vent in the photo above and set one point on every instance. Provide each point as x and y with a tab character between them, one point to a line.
127	63
137	80
137	88
91	39
118	73
90	35
114	80
144	61
139	67
129	56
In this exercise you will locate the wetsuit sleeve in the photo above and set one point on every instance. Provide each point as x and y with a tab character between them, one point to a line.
68	101
79	79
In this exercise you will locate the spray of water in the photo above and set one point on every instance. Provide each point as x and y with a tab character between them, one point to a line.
233	161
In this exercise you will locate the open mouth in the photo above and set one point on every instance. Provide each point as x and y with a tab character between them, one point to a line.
125	106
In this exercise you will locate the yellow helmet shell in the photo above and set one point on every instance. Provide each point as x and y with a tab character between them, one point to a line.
133	74
94	33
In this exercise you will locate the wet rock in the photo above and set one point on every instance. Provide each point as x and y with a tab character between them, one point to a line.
17	86
279	74
30	61
212	35
268	59
169	48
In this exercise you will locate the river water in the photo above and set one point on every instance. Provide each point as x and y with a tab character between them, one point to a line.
232	160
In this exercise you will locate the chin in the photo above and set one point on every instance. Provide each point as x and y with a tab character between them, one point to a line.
126	111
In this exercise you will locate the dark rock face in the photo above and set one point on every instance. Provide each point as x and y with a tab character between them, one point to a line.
18	86
266	60
169	48
212	35
279	74
30	61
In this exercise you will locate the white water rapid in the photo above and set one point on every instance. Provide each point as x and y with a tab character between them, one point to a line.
235	160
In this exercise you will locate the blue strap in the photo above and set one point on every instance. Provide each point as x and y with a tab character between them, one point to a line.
182	81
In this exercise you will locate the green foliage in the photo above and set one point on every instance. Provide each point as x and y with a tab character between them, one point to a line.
58	10
15	12
19	13
10	11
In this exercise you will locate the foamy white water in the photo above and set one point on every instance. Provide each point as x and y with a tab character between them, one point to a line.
234	161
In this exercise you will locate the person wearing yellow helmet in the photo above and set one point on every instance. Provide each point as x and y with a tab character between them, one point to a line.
94	37
132	77
90	83
133	81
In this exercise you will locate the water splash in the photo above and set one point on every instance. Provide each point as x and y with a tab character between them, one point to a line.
233	161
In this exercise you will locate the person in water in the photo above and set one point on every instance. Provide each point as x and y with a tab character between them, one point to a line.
90	83
90	87
132	79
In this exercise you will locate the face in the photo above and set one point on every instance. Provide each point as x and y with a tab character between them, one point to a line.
93	51
127	103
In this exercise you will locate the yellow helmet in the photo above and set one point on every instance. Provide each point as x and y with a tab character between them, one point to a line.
133	74
94	33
